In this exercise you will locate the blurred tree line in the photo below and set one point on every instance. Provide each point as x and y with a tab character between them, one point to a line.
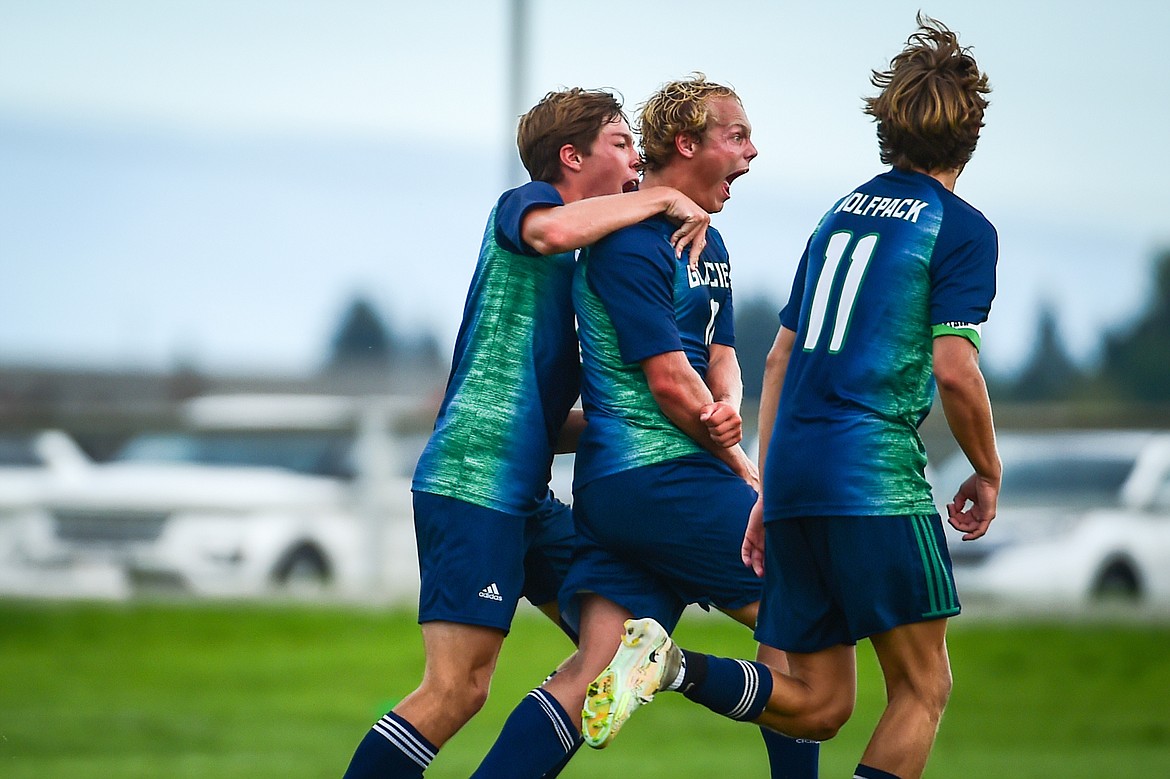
1134	365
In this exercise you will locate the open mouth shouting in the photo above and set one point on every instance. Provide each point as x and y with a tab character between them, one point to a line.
727	182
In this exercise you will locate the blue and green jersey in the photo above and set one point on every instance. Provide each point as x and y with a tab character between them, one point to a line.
515	371
892	265
634	299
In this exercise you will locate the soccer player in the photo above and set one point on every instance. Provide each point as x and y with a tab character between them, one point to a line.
488	529
662	489
890	294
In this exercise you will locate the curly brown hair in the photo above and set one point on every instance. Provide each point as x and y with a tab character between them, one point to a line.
931	105
574	116
677	107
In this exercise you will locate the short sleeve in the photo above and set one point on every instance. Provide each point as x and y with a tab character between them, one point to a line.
790	314
510	211
963	280
632	272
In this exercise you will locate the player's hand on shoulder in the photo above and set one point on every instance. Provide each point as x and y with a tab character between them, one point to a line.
692	231
724	424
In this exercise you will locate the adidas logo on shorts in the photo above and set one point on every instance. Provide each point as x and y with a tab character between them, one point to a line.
491	592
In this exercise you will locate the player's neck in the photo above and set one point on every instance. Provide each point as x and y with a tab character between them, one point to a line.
568	192
945	177
671	176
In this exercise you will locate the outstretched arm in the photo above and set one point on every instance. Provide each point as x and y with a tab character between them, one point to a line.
574	225
963	394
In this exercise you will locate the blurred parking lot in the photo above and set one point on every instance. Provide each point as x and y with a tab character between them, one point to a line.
1083	516
250	496
286	495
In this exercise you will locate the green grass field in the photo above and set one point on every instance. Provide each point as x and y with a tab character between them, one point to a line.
90	691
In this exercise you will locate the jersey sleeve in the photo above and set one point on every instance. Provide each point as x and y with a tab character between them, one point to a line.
632	272
790	314
963	281
510	211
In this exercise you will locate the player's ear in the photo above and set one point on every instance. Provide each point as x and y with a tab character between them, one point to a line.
686	144
570	158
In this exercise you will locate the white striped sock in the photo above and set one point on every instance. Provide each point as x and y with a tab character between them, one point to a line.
751	689
564	729
393	731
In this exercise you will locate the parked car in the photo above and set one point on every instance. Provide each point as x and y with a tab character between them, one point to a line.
30	462
33	466
252	495
1082	516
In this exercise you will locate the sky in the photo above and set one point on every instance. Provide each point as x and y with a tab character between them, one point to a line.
212	182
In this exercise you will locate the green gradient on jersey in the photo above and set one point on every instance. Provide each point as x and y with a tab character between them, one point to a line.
515	377
622	411
904	359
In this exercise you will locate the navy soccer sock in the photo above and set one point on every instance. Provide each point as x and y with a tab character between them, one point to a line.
865	772
538	738
391	748
738	689
791	758
556	771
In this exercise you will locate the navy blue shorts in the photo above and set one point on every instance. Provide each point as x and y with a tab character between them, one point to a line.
476	563
836	580
656	538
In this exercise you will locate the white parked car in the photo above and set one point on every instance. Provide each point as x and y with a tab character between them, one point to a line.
1082	516
253	495
32	464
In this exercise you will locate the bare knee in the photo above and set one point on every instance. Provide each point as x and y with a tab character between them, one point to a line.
927	692
818	720
935	692
943	689
816	697
460	661
461	695
475	693
916	666
826	721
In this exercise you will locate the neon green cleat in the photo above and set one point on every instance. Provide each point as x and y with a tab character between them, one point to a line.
646	661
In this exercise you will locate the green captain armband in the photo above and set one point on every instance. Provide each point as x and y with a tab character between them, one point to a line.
963	329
